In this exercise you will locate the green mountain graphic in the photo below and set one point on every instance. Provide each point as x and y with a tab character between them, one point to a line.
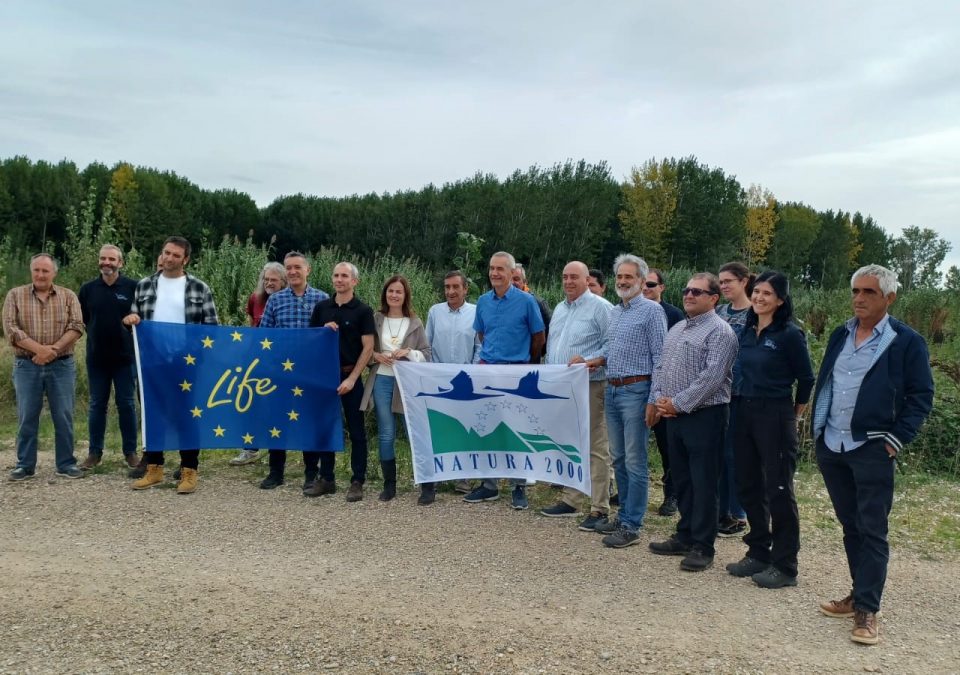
449	435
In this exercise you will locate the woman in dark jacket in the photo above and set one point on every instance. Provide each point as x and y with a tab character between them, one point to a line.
773	356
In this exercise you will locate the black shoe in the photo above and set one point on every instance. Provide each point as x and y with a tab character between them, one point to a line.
388	492
669	507
592	522
71	472
671	546
559	510
621	538
140	469
696	561
747	567
773	578
20	474
608	526
309	479
615	500
273	480
428	495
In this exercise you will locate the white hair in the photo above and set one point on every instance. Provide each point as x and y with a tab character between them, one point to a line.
631	259
354	272
886	279
511	262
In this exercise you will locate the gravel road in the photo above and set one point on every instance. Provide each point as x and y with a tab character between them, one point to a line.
95	577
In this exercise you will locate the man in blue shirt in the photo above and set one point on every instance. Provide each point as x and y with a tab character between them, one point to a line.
873	392
291	307
579	335
511	330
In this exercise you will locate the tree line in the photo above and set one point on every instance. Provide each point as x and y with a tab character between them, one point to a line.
673	212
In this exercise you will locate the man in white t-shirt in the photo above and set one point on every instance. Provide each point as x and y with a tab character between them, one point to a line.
173	296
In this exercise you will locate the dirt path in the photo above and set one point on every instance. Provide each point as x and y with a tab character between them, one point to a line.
95	578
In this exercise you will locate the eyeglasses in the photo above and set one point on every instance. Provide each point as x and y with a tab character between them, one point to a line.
651	284
696	292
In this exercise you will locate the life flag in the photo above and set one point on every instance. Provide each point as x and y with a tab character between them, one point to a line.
486	421
207	386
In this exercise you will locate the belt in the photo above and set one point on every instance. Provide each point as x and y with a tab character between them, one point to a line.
624	381
59	358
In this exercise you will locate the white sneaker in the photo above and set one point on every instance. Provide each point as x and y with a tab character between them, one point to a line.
246	457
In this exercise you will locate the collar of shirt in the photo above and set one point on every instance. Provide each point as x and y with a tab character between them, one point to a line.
694	321
511	291
451	310
877	330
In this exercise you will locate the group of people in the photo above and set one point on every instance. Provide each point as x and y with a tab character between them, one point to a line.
723	387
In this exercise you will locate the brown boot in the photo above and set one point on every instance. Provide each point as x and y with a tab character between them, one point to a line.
152	476
355	492
188	481
90	462
132	460
866	630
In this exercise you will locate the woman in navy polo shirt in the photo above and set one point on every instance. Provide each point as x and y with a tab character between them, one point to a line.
773	356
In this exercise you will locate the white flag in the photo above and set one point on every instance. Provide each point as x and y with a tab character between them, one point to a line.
487	421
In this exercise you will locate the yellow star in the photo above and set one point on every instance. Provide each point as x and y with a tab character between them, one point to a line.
196	411
219	431
293	415
190	359
287	365
185	386
247	439
297	391
236	335
207	343
265	343
274	433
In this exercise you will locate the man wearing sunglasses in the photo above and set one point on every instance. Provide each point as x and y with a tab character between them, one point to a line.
653	290
691	392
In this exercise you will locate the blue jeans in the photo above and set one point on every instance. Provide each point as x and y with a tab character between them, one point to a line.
627	430
729	504
386	419
122	379
31	382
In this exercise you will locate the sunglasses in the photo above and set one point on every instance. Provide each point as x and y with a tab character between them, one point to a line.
651	284
696	292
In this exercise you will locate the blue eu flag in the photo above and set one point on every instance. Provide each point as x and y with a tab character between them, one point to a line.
223	387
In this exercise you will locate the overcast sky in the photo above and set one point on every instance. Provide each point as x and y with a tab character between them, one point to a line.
841	105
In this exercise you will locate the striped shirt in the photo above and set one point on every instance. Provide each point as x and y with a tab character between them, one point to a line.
695	370
44	321
635	338
285	309
579	328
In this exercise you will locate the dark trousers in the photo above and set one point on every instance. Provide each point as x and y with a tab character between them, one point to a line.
860	485
101	379
765	445
358	436
663	447
695	443
189	459
278	461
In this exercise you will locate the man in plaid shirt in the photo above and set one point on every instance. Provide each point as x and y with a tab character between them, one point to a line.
691	391
173	296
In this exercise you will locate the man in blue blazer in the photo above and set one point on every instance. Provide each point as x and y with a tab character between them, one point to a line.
873	392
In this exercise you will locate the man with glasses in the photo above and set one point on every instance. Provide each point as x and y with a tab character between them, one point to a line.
634	339
691	392
292	307
653	289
